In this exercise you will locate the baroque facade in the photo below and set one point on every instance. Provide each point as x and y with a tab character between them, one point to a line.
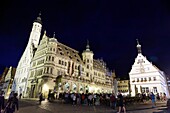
48	65
57	67
146	77
124	87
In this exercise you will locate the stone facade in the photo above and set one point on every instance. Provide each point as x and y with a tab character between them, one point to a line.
57	67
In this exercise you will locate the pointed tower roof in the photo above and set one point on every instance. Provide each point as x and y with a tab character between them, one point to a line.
138	47
87	46
38	19
54	35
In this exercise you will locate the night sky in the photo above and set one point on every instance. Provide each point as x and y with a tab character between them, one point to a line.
111	26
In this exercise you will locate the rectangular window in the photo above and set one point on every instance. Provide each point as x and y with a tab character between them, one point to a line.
145	79
145	89
51	71
52	58
154	89
137	79
47	70
87	74
49	58
59	62
154	78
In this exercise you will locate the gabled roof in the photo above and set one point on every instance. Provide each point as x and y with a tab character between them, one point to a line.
68	52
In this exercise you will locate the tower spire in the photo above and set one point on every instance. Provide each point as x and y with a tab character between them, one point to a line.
38	18
138	46
87	46
54	35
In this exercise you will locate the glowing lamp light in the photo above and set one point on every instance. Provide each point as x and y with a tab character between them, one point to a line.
45	87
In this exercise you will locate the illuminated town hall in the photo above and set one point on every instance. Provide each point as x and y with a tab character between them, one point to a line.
48	65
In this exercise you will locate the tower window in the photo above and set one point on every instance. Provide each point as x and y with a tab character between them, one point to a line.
87	66
52	58
54	49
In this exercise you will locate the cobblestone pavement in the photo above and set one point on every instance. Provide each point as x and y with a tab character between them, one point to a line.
32	106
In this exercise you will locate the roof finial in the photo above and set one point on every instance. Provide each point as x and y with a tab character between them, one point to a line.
137	41
87	46
138	46
39	14
45	32
39	18
54	35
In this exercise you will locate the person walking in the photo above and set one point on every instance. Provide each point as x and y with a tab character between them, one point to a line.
120	103
113	101
74	99
12	104
40	98
153	100
20	95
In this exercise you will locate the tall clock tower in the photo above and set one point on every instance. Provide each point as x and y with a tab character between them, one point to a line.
22	72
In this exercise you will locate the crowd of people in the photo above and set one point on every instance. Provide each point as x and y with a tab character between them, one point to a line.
90	99
112	100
